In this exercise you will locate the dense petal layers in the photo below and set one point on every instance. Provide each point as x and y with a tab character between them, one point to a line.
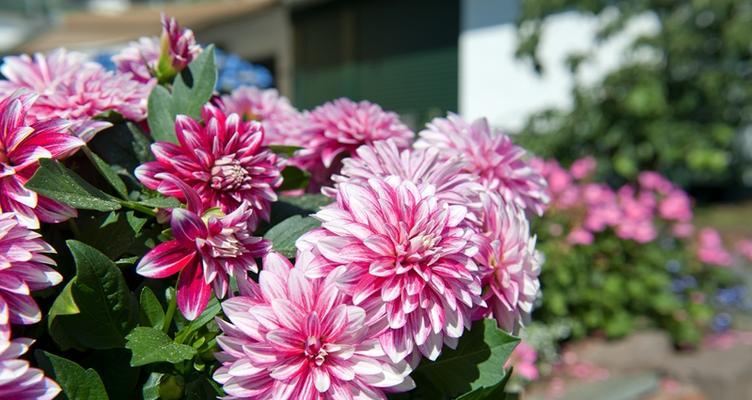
405	250
292	337
501	164
22	144
223	159
18	380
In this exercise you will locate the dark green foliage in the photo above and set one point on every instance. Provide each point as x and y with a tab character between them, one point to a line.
682	113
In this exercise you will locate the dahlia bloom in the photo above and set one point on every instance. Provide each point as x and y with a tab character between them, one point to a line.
406	249
508	261
500	163
710	249
290	337
139	59
73	89
282	122
22	144
383	158
222	159
336	129
20	381
208	249
179	46
24	267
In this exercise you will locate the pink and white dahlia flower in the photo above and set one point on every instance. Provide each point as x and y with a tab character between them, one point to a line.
179	46
336	129
22	144
291	337
208	249
509	262
19	380
406	249
222	158
139	59
501	164
24	267
73	89
281	121
383	159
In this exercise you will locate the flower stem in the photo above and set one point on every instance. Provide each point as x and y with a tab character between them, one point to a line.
170	314
138	207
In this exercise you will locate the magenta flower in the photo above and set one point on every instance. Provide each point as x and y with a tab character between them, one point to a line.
24	267
73	89
523	360
208	249
19	380
405	249
139	59
744	247
222	159
509	262
710	249
336	129
491	155
383	159
179	46
638	211
583	167
281	121
22	144
290	337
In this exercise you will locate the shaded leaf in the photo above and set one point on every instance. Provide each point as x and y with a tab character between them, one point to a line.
294	178
55	181
284	234
77	383
107	172
152	313
151	345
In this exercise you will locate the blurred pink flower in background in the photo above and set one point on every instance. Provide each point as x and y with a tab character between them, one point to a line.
208	249
291	337
509	263
654	181
676	206
583	167
19	380
404	249
71	88
22	144
710	249
580	236
281	121
336	129
501	164
222	158
637	215
744	247
178	45
139	59
523	360
25	268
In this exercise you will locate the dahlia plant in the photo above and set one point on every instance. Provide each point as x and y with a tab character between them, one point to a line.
179	244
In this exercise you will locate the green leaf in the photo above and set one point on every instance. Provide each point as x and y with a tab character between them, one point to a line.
304	205
107	172
211	311
160	202
76	382
151	345
282	150
64	304
115	234
161	116
495	392
152	312
294	178
194	85
476	363
55	181
284	234
103	300
141	144
113	367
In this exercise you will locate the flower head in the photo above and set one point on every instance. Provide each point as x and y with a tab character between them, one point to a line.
20	381
22	144
291	337
207	250
282	122
179	46
523	360
710	249
139	59
24	267
222	159
383	159
406	249
336	129
509	262
500	163
73	89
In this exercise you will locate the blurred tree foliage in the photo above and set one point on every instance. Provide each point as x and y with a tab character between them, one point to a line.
683	110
